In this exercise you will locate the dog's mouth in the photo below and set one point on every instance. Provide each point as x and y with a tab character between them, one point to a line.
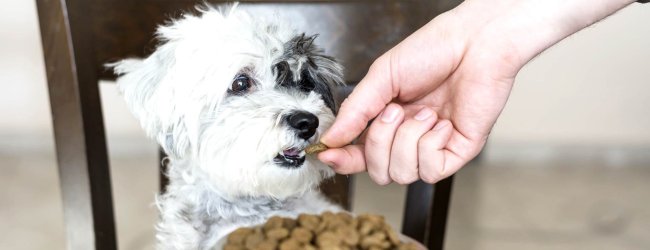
290	158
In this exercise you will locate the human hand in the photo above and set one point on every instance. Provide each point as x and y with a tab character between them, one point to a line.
437	94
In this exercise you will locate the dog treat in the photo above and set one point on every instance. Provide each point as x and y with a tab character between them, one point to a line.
316	148
326	231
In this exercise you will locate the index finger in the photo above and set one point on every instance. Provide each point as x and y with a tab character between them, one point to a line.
365	102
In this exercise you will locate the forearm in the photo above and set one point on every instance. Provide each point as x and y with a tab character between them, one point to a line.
521	29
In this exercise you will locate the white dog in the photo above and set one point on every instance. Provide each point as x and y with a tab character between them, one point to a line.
233	101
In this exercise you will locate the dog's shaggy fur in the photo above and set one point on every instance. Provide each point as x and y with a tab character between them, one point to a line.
218	95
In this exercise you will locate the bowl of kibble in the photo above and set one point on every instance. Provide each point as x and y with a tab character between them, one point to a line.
329	230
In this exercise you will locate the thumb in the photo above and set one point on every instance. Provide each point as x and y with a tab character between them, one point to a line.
365	102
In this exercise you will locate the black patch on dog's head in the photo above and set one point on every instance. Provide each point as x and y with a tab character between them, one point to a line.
303	67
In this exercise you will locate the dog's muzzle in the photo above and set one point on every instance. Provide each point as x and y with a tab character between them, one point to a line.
304	124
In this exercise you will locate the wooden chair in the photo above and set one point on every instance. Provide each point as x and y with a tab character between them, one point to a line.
79	36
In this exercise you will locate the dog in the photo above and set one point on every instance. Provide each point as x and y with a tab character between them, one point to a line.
233	100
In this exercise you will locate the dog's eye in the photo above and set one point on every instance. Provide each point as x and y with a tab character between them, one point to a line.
240	85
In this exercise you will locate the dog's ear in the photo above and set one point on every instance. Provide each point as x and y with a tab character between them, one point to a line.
163	91
137	81
324	70
142	83
328	76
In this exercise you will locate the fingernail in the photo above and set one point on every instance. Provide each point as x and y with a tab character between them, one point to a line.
440	125
390	114
323	139
424	114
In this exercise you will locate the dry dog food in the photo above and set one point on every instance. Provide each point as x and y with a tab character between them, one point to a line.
335	231
315	148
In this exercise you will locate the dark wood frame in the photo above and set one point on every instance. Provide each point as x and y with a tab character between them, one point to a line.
78	126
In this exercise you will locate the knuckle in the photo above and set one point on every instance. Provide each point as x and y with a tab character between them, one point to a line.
431	170
380	64
379	179
427	143
399	181
436	172
404	133
373	139
429	178
404	179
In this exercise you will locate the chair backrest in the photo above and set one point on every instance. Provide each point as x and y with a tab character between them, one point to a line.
80	36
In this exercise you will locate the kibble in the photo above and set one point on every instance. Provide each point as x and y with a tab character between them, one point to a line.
316	148
313	232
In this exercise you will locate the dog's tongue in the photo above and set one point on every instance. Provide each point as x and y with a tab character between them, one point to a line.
291	152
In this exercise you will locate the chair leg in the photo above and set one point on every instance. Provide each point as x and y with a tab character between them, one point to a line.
78	128
416	211
340	190
439	213
425	214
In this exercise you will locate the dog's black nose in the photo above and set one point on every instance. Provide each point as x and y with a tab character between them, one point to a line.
304	123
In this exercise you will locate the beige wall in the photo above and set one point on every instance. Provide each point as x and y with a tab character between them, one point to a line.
23	98
593	88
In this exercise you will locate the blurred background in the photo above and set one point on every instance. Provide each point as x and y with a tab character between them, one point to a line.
567	165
